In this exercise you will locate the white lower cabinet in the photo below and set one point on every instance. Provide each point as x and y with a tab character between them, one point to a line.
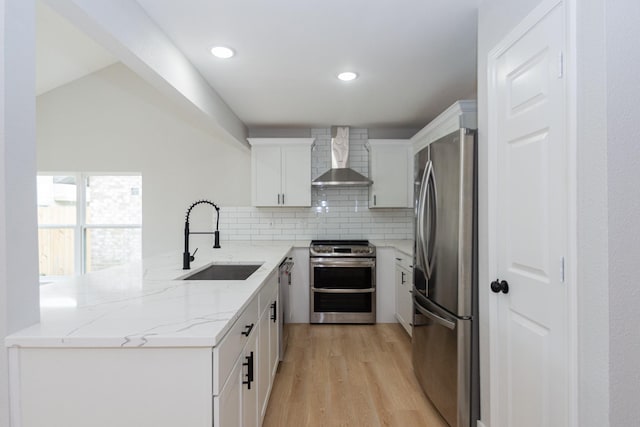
224	386
245	395
263	350
268	342
227	406
404	286
249	379
237	404
274	338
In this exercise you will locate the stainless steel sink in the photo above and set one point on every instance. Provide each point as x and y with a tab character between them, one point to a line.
224	272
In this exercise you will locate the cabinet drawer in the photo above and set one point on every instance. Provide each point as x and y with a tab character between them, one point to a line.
225	354
404	260
268	292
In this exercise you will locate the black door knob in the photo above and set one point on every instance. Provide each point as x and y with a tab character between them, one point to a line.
500	286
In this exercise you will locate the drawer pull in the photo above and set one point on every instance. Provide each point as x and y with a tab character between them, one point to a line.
247	329
274	313
249	365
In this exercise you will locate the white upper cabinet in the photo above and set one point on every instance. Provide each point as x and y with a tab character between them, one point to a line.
391	169
281	171
462	114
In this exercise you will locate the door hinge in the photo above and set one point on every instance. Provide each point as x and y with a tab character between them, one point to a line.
562	269
560	65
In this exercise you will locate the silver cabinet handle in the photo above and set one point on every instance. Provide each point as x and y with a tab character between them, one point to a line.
278	198
375	201
344	291
283	198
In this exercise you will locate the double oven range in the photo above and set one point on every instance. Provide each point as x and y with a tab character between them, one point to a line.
343	281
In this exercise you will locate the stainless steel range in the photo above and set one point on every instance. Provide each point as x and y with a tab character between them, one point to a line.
343	281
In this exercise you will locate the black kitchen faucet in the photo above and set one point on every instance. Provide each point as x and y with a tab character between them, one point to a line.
186	256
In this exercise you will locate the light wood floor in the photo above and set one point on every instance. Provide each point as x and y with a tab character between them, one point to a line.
348	375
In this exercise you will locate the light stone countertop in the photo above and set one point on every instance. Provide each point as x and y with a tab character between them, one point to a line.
146	304
404	246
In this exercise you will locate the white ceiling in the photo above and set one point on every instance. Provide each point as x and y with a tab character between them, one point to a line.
64	53
414	57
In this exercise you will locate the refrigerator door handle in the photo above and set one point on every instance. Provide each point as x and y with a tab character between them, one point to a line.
440	320
420	221
433	219
422	201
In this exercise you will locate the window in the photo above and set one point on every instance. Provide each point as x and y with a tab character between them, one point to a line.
88	222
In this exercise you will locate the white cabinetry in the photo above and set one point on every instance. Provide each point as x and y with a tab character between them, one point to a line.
179	379
249	381
268	342
237	403
462	114
391	169
228	405
243	400
404	285
281	171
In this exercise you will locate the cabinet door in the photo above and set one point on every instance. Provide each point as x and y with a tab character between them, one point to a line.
408	302
391	171
273	338
266	163
264	370
399	296
404	304
296	175
250	391
227	406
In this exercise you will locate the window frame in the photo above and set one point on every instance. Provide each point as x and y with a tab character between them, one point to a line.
80	227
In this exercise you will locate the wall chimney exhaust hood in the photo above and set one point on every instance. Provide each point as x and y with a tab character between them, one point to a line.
340	174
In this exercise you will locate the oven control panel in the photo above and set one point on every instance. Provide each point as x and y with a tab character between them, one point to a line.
332	250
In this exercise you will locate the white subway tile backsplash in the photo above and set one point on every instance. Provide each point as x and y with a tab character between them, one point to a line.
307	223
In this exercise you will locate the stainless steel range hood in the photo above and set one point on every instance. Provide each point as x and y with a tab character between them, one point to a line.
340	174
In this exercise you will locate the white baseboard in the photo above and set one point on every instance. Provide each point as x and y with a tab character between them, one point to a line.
480	424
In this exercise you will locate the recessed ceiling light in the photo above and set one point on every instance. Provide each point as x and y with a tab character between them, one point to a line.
222	52
347	76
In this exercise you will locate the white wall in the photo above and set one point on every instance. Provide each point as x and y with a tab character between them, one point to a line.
496	18
18	247
592	230
623	159
112	121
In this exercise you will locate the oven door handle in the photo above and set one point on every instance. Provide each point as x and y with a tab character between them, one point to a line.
329	263
344	291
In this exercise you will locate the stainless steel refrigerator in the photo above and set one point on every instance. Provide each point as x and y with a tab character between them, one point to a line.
445	320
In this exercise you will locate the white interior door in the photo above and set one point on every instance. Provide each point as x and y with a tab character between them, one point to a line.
529	359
